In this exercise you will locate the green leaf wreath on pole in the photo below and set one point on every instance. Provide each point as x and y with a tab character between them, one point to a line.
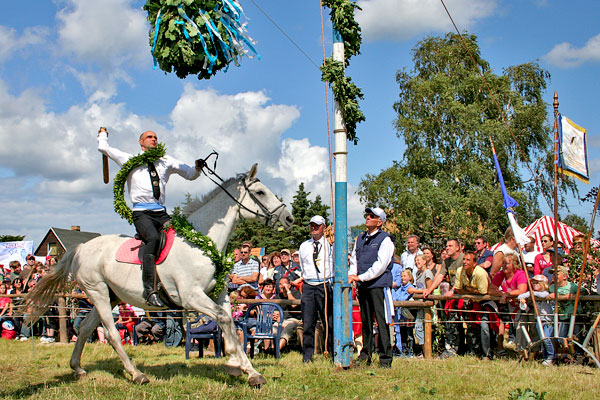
345	92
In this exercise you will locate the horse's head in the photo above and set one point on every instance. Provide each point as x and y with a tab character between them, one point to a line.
259	202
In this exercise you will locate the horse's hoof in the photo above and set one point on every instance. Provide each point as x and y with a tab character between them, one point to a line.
233	370
80	374
256	380
141	379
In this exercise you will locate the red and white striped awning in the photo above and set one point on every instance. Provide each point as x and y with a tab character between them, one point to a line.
545	226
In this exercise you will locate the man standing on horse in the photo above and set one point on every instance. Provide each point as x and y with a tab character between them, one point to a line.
146	186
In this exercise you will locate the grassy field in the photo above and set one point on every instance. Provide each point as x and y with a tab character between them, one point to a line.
42	371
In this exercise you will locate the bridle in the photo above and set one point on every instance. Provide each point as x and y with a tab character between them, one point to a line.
271	216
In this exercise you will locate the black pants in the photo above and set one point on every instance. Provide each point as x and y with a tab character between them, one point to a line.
313	307
371	301
148	225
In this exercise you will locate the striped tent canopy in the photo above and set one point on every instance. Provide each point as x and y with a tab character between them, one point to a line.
545	226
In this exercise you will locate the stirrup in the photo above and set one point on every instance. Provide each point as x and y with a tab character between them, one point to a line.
153	300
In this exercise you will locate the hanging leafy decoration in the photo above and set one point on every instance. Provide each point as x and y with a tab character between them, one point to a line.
197	36
346	93
342	17
223	263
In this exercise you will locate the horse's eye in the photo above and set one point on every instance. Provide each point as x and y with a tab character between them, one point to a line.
260	193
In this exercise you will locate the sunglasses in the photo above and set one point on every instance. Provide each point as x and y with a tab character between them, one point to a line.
244	252
546	241
372	216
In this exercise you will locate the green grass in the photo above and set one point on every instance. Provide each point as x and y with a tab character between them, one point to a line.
44	373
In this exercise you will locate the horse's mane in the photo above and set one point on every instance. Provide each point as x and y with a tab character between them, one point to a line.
197	203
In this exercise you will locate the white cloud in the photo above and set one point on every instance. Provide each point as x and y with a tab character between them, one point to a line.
398	20
11	42
108	32
566	55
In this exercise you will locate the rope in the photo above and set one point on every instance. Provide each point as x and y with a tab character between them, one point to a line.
325	240
327	113
285	34
535	178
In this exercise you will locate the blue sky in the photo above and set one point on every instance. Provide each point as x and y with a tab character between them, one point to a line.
70	66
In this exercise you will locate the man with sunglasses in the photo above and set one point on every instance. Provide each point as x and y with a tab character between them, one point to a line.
245	271
146	186
371	271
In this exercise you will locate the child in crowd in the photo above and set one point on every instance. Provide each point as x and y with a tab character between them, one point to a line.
546	309
423	281
6	312
126	321
566	291
402	328
268	290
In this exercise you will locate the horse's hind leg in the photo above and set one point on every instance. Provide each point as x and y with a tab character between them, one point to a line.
199	301
105	312
86	329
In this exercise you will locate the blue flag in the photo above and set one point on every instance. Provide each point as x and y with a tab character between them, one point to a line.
508	202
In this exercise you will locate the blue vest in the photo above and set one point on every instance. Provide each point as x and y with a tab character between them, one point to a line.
366	254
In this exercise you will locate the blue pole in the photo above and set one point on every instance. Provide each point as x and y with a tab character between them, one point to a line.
342	292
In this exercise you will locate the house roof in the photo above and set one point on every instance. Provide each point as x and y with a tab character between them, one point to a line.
68	238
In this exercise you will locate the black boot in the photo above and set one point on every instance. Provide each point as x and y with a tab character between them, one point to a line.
148	275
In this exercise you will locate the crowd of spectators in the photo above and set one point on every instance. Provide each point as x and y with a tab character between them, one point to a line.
483	328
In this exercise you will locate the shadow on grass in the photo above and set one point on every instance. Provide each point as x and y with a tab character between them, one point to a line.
210	369
28	390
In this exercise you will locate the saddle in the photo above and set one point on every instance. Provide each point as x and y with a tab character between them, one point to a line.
131	251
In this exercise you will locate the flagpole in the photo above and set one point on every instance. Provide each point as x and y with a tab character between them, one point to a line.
583	264
555	261
524	266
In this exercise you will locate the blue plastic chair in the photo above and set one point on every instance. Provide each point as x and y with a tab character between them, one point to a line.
260	316
208	331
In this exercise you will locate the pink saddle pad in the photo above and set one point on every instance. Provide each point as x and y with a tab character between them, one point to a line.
128	251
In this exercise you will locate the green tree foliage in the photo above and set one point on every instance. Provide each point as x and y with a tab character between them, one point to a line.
11	238
446	183
577	222
303	209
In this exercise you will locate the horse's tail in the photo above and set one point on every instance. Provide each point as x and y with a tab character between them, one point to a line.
54	282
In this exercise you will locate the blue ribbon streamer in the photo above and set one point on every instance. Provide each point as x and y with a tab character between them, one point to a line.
156	29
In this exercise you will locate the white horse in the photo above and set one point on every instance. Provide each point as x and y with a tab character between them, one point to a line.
187	274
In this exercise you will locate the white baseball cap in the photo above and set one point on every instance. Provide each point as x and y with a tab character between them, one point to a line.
377	211
317	219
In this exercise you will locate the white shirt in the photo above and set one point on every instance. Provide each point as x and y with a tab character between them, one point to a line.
384	258
506	250
324	261
139	184
407	259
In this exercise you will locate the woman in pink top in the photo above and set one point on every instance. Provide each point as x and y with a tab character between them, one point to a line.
509	281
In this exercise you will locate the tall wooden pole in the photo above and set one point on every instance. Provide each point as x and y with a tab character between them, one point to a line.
342	293
555	261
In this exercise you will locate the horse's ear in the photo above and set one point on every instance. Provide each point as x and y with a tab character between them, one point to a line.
253	170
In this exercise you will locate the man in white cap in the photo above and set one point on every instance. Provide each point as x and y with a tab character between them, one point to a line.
316	261
371	271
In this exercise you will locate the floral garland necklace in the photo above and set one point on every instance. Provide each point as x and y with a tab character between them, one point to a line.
223	263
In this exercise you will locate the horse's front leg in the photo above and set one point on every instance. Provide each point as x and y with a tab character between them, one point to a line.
200	302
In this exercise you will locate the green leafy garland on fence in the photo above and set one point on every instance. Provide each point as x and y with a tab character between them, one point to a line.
346	93
223	263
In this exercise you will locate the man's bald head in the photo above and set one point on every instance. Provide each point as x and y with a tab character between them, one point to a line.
148	140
